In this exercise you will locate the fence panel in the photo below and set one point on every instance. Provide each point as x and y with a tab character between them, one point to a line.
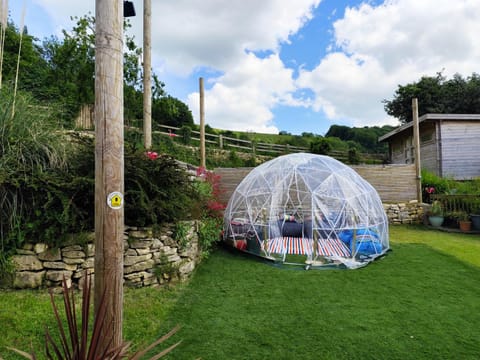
394	183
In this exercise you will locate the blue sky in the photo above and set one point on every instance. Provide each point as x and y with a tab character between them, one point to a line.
297	66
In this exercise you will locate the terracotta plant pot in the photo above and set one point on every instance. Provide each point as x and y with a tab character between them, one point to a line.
465	225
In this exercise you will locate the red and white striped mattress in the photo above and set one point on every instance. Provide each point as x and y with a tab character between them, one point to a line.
304	246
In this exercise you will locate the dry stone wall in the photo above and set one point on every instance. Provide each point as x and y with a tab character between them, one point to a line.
411	212
149	259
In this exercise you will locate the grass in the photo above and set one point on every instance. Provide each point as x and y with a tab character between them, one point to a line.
418	302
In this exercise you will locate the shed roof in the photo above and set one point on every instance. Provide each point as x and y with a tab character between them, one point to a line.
432	117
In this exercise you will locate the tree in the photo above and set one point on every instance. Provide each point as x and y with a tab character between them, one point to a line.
61	71
71	66
170	111
340	131
32	67
436	95
364	138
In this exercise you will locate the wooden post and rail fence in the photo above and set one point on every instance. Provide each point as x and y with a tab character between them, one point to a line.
223	142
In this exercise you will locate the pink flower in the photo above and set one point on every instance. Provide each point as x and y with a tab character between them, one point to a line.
152	155
201	171
430	190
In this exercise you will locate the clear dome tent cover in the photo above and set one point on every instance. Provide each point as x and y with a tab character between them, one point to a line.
309	210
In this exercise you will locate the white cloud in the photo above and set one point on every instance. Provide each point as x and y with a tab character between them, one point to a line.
394	43
242	99
213	33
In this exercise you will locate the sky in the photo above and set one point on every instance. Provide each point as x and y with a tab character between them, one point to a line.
295	66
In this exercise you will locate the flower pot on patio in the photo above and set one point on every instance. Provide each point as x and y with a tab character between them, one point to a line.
475	221
436	221
465	226
435	214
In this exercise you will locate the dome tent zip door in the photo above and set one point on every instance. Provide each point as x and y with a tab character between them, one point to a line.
309	210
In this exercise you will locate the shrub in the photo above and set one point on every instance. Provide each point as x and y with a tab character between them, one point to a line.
156	190
209	234
59	201
320	146
31	148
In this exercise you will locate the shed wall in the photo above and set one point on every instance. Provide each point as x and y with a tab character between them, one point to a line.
428	148
460	149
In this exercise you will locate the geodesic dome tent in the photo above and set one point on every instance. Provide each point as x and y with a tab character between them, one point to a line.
309	210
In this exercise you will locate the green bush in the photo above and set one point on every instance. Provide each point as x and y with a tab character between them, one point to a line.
59	201
31	148
156	191
209	234
320	146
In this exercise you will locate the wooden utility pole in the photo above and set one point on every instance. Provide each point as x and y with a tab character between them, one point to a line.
147	73
416	145
109	173
202	125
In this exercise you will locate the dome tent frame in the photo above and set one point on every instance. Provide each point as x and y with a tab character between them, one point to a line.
309	210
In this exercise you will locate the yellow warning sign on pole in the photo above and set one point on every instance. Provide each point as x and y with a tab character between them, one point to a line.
115	200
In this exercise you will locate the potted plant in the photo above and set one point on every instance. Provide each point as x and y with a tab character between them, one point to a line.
475	214
435	216
464	221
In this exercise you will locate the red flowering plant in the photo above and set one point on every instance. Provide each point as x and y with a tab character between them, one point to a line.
152	155
211	208
427	192
211	192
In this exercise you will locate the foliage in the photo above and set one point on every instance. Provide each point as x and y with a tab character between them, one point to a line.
28	139
180	233
156	190
234	159
463	216
436	95
86	344
320	146
165	268
365	138
31	67
186	134
61	71
211	210
48	204
170	111
436	209
209	234
433	184
31	148
72	61
210	191
353	155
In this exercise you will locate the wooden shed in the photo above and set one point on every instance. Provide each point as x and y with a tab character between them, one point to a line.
449	144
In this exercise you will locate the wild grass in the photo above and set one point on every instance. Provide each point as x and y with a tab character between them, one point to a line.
418	302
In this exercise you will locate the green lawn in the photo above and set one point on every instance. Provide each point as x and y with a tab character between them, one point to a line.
421	301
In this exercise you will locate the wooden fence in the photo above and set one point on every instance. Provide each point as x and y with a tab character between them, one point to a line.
469	204
225	142
394	183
